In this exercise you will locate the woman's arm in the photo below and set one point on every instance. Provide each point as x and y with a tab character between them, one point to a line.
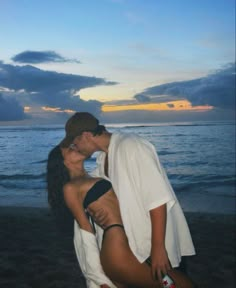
85	243
74	203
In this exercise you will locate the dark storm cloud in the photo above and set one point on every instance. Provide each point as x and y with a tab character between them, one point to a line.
35	87
142	98
11	110
36	57
65	100
216	89
32	79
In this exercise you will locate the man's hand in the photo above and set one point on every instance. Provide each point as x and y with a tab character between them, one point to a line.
160	263
100	217
105	211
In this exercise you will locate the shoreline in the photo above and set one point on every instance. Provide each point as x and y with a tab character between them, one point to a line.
33	253
193	203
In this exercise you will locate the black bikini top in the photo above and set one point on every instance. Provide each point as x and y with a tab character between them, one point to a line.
99	188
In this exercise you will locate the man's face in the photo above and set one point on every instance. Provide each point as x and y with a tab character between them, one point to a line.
84	145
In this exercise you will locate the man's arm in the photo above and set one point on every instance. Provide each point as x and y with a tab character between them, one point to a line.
159	258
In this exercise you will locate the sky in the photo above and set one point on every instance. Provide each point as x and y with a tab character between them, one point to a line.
131	61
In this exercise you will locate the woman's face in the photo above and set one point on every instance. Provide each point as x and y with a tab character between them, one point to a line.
71	156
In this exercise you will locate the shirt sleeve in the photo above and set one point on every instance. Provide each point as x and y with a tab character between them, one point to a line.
88	256
95	172
146	171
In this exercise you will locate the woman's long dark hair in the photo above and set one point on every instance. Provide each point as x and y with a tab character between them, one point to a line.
57	177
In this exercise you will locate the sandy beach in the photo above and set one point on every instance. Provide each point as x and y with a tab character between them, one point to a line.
33	252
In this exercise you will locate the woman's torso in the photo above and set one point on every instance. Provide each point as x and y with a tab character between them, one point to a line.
96	194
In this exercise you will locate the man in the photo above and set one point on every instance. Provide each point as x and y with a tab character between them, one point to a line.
153	219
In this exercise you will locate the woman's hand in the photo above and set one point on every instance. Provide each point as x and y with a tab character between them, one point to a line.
160	263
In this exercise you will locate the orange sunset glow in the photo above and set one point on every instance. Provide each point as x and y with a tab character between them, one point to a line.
27	109
57	109
180	105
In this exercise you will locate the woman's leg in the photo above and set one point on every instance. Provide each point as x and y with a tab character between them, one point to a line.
120	264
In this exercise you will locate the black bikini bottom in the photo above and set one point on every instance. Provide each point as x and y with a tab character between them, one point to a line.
111	226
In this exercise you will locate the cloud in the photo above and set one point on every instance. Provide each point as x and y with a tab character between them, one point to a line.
37	57
33	79
142	98
171	105
11	110
30	86
216	89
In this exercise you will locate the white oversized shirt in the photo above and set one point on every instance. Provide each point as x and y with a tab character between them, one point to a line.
141	184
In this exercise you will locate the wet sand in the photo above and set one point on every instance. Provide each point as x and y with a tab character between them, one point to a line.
34	253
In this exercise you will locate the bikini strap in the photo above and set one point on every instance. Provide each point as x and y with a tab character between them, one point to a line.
113	225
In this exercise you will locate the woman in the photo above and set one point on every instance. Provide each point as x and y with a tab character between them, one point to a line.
68	181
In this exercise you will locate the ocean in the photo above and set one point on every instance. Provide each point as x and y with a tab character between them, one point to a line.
199	159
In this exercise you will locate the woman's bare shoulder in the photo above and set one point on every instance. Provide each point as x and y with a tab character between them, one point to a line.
71	189
79	186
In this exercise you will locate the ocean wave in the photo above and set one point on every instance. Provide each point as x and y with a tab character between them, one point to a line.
40	162
219	189
192	162
163	153
137	126
31	128
205	124
22	176
23	186
203	178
